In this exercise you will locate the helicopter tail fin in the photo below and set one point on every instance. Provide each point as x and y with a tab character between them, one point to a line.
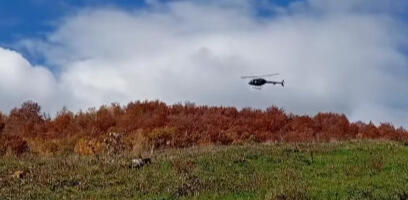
283	83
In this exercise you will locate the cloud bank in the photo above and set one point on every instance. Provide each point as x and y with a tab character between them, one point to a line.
340	56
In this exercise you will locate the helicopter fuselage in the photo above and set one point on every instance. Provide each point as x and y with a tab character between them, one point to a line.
258	82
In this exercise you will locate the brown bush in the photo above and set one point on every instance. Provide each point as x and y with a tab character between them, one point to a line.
13	145
104	119
143	125
62	125
50	147
25	121
3	119
87	146
331	126
161	137
113	143
44	147
300	129
108	144
137	142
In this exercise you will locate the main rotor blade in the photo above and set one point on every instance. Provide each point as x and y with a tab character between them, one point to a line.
244	77
266	75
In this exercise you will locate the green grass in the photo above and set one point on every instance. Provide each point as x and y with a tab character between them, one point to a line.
351	170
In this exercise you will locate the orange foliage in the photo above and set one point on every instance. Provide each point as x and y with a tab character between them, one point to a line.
331	126
25	121
299	129
155	124
12	145
61	126
3	120
87	146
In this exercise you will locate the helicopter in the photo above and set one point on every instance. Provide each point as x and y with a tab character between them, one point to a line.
258	81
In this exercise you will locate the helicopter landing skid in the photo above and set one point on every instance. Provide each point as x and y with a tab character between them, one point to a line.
257	87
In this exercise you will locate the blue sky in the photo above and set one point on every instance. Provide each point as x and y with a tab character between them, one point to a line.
34	18
347	56
21	19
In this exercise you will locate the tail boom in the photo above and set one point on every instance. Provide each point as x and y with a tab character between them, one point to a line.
277	82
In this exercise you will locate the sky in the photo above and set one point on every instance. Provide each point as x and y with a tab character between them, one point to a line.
348	56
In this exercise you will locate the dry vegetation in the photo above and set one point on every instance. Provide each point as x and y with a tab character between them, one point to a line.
143	126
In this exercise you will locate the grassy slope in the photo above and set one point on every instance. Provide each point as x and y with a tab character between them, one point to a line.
353	170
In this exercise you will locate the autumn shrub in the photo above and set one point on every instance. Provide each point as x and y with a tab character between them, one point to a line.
369	131
50	147
144	125
161	137
388	131
137	142
89	146
332	126
44	147
13	145
146	115
277	118
62	126
3	119
233	136
114	143
400	135
25	121
108	144
300	129
104	119
86	123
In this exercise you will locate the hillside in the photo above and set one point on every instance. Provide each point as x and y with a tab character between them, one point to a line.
349	170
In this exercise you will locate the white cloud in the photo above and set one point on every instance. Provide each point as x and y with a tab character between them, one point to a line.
20	81
377	6
347	60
